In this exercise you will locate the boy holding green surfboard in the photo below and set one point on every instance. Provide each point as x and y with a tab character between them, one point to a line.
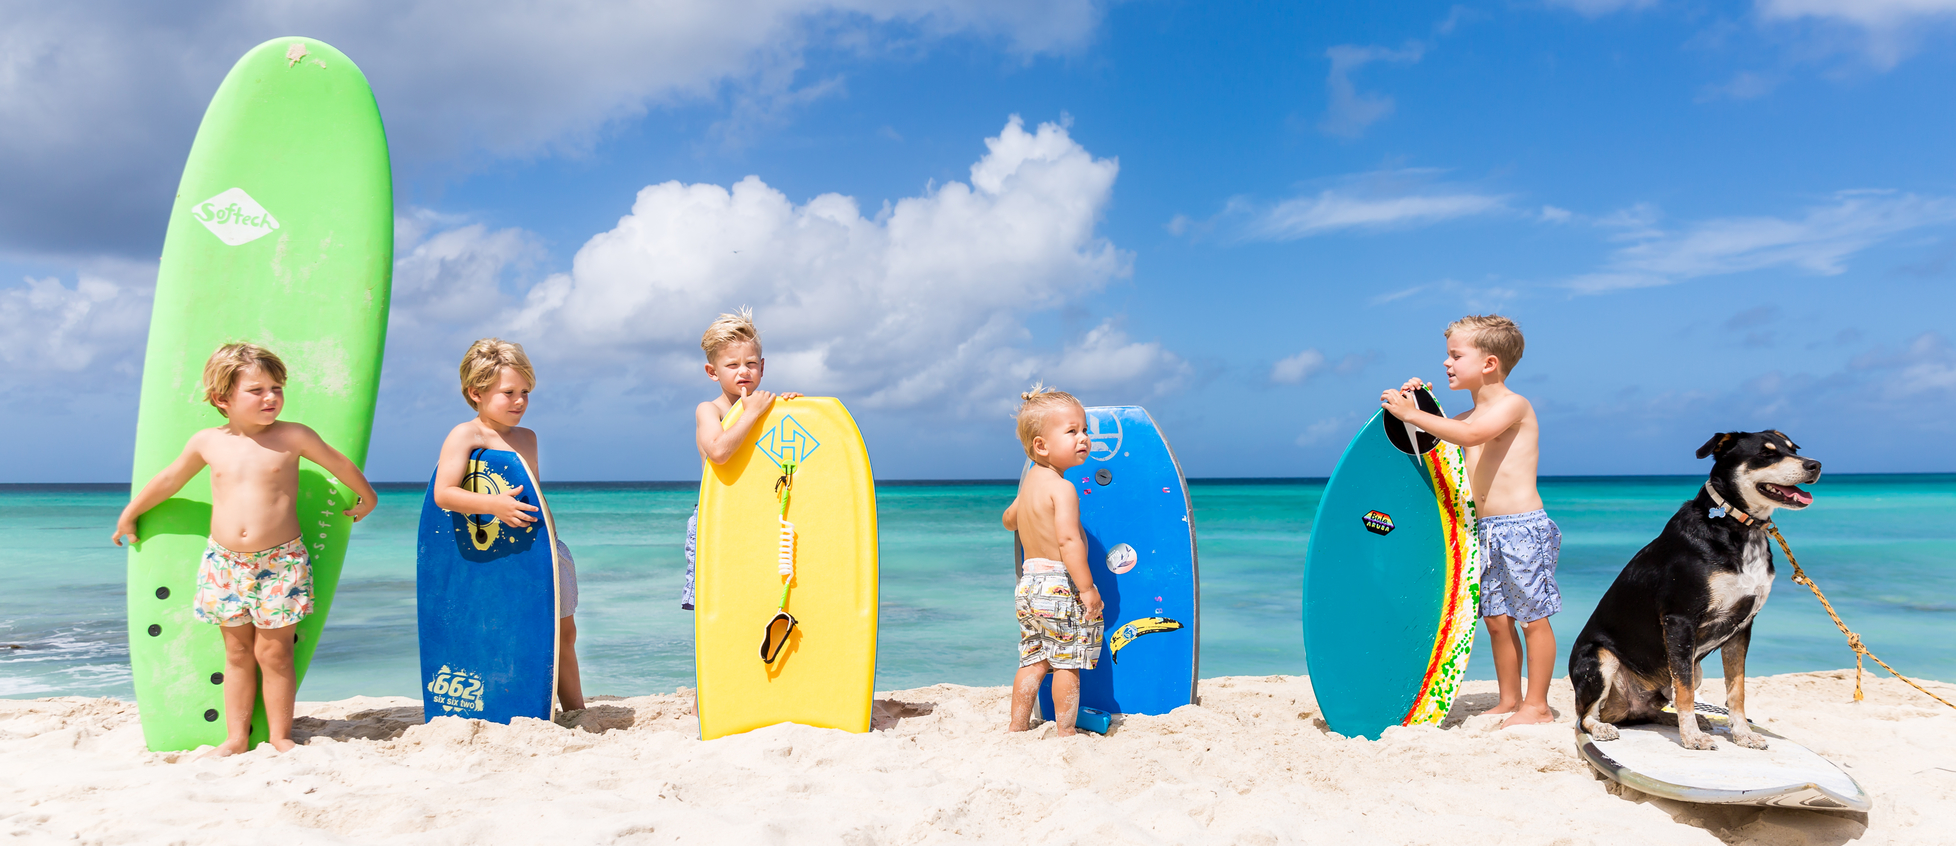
260	595
1519	542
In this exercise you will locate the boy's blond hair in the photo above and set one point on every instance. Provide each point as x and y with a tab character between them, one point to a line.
1492	334
1033	408
222	369
727	329
483	364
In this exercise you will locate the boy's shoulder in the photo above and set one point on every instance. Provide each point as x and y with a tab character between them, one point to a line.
718	405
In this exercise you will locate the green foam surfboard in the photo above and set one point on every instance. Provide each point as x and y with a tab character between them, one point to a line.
281	234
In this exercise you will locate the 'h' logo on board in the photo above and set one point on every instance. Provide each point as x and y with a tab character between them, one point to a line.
787	443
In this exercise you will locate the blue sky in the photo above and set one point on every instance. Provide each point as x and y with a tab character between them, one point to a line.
1706	216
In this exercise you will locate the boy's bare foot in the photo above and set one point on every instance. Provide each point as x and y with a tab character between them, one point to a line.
226	749
1528	715
283	744
1503	708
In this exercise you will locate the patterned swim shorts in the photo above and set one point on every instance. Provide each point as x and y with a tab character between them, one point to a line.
270	589
566	582
1053	627
1518	553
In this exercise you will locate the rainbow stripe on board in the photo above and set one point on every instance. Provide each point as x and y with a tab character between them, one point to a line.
1446	467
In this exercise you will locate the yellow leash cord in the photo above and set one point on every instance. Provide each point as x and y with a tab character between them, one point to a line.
1800	577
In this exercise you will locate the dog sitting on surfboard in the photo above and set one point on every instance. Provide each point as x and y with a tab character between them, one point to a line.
1696	588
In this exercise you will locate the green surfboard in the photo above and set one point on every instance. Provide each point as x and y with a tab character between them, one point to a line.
281	234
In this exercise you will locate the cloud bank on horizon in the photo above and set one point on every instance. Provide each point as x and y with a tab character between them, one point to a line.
1703	222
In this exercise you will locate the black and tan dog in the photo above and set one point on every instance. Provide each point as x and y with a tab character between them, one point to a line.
1696	588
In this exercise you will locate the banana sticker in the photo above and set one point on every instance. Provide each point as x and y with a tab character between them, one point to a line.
1134	629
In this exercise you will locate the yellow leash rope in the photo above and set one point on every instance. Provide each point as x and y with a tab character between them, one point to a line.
1800	577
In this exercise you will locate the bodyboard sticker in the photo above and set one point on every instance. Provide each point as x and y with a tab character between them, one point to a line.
234	217
1378	522
787	443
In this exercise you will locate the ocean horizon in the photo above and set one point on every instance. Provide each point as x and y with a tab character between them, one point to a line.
1880	545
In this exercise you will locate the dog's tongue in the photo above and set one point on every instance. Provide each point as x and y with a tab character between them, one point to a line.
1795	494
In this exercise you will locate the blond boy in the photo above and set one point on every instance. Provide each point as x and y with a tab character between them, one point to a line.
733	360
1519	543
1059	609
255	579
496	381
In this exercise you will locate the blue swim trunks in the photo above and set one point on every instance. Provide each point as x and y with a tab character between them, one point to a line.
1518	553
692	540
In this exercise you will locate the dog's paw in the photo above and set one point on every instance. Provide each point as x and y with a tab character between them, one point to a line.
1603	731
1700	742
1749	740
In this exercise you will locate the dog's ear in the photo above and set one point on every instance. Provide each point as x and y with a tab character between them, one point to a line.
1718	444
1788	438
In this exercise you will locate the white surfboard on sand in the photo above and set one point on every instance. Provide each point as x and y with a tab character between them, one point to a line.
1648	758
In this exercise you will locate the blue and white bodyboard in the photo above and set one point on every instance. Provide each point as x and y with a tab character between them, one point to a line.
487	602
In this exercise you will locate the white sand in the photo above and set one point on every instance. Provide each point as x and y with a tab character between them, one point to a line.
1252	764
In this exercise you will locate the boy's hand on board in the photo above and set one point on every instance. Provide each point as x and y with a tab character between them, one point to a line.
1414	384
362	507
1398	403
125	527
512	511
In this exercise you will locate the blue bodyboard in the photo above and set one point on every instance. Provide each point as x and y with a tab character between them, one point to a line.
1385	574
487	602
1134	508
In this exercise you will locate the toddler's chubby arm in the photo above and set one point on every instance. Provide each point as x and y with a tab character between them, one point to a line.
314	448
161	487
451	496
1486	423
1073	548
718	444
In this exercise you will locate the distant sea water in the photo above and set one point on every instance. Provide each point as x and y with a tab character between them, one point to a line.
1883	547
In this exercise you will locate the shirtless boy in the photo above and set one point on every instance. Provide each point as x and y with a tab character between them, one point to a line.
255	579
1519	543
1060	624
496	381
733	359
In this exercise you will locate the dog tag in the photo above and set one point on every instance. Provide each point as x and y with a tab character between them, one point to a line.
1716	513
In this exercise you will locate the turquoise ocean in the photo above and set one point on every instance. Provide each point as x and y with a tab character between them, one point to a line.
1882	547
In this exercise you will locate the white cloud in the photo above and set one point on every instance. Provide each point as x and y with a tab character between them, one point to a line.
1888	28
921	303
1295	369
1388	199
101	99
1599	8
1326	428
54	331
1818	241
1350	111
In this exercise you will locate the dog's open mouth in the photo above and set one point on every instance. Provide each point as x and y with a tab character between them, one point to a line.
1786	494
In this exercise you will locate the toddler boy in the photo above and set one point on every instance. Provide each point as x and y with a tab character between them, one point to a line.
496	381
1519	543
250	582
733	359
1059	609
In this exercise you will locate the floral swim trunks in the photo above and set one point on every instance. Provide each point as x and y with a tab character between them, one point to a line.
1053	627
270	589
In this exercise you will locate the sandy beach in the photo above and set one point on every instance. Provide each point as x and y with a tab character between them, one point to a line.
1251	764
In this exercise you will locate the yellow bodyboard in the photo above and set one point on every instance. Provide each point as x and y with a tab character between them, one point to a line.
826	674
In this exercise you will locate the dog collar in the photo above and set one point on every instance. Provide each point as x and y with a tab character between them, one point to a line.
1723	509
